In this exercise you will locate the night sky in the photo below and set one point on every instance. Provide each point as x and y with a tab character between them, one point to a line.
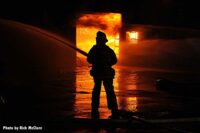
59	13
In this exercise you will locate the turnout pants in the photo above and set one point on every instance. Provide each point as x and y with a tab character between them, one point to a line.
110	94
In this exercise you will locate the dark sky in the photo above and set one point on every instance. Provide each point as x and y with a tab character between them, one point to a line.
152	12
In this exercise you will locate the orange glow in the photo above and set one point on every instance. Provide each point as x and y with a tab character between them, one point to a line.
88	24
132	36
133	102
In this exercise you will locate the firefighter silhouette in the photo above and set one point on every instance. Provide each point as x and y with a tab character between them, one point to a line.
102	58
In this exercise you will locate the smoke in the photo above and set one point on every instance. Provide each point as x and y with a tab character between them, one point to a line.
181	54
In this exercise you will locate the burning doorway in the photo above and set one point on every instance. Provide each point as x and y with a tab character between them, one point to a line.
88	24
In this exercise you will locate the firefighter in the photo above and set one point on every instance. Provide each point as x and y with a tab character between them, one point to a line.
102	59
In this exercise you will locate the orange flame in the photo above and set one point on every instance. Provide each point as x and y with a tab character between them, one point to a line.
88	24
132	36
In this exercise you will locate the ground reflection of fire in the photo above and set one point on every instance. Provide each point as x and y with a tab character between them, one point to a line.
122	85
88	24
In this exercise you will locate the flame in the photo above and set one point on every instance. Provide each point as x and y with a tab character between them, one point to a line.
132	36
88	24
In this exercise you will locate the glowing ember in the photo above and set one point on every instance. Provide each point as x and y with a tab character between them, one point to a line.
88	24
